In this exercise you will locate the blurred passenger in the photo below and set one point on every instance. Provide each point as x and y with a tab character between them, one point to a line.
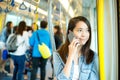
15	28
75	60
34	26
28	55
30	30
37	60
3	38
19	55
10	60
58	36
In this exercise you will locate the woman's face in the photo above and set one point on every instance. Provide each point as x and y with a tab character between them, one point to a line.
55	30
81	32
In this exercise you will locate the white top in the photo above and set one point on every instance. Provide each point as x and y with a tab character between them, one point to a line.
2	45
76	73
23	44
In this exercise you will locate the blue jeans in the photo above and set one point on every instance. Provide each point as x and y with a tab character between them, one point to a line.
19	65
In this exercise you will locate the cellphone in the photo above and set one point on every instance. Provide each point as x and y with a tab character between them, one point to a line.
70	36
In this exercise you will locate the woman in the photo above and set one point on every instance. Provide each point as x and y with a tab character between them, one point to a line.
58	36
76	61
19	55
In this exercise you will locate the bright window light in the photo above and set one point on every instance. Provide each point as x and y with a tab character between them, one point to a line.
66	5
71	12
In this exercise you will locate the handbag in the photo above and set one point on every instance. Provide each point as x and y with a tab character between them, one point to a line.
5	54
43	49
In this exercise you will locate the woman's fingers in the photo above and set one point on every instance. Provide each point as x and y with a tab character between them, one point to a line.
73	47
74	42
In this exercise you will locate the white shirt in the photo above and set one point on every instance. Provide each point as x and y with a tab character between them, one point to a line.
76	73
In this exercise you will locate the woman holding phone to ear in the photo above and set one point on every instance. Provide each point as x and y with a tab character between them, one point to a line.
75	60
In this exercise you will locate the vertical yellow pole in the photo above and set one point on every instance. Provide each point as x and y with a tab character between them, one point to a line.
100	12
36	19
1	21
36	15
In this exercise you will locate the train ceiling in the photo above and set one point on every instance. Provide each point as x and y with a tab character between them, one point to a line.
58	8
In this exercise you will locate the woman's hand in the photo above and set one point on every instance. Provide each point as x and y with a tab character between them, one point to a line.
73	48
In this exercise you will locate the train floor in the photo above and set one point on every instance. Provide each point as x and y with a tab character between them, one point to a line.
27	77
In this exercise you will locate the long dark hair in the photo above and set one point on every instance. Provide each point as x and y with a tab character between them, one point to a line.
85	50
58	33
21	27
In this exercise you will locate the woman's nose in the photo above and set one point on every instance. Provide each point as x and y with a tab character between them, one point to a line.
83	33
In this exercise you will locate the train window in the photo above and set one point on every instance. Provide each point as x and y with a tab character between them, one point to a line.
12	18
17	18
28	21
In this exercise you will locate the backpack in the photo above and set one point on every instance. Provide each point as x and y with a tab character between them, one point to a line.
11	46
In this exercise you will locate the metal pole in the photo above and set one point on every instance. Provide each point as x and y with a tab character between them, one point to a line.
60	17
50	26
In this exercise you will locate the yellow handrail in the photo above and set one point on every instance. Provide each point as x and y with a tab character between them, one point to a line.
100	12
1	21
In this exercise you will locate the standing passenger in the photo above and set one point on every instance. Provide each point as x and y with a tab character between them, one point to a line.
10	60
28	55
3	38
58	36
36	55
34	26
19	55
76	61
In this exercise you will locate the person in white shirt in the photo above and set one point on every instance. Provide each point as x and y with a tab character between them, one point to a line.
19	55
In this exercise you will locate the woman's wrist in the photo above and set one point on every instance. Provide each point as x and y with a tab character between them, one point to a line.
70	57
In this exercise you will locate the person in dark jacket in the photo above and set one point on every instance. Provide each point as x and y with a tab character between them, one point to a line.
58	36
37	59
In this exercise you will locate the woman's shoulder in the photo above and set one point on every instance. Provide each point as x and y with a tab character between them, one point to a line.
57	57
95	57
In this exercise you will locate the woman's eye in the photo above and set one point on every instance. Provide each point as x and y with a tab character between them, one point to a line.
79	30
88	30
